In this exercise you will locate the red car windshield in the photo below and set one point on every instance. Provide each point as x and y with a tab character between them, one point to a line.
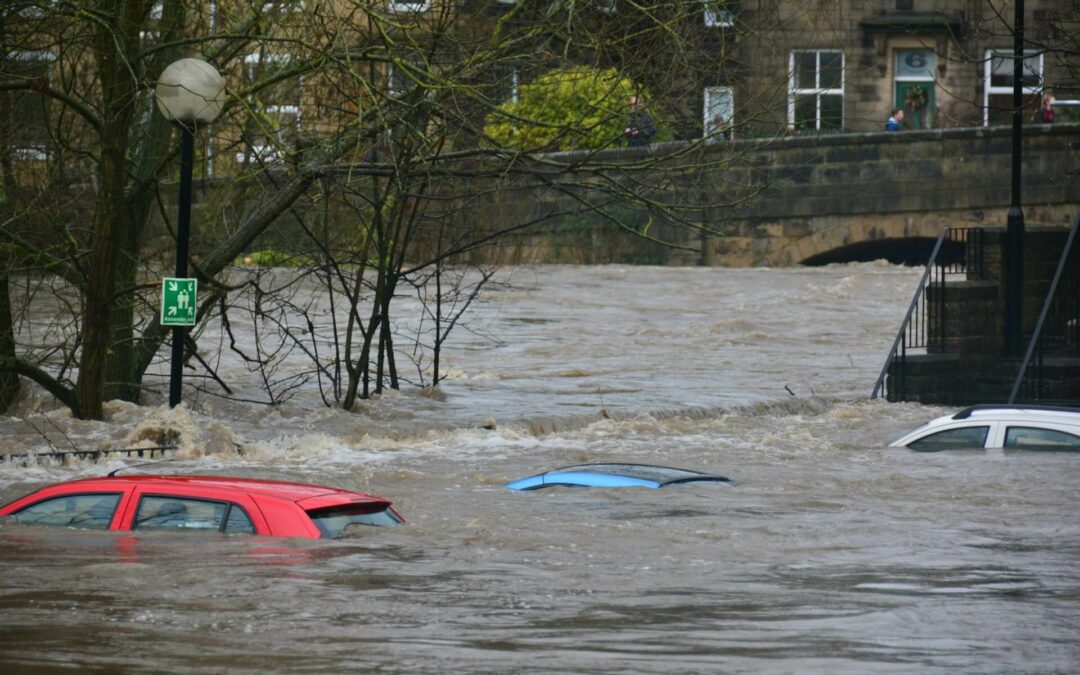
333	520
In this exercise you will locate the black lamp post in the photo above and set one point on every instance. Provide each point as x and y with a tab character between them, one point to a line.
190	93
1014	244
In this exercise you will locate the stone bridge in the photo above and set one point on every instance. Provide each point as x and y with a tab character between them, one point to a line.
835	198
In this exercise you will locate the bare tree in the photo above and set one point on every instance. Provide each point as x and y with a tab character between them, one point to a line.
396	153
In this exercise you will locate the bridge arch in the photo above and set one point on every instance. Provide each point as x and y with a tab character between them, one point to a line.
912	251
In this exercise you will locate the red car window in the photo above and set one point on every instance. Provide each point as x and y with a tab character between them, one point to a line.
92	511
171	512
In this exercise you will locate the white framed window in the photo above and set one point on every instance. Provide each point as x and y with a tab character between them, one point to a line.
717	15
606	6
37	10
998	83
148	38
816	90
272	132
414	6
507	86
719	113
915	65
283	6
29	136
398	82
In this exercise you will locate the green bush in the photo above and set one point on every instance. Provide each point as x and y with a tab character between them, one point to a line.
577	108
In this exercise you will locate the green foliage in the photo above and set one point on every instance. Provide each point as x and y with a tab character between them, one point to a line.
578	108
272	258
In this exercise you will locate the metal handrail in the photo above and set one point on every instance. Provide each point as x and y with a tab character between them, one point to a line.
1037	335
911	311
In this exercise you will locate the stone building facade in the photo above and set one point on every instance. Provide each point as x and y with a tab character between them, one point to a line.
844	65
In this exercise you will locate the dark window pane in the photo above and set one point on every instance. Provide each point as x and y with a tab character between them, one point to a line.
333	521
176	513
805	70
1000	112
238	522
953	439
1027	438
832	112
87	511
29	110
805	112
832	70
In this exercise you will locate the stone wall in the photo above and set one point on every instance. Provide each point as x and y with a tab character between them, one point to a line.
819	194
776	202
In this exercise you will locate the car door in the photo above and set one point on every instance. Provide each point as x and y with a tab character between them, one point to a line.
1043	436
181	509
958	436
80	506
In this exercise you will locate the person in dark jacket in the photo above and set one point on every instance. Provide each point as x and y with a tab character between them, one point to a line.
640	127
1045	113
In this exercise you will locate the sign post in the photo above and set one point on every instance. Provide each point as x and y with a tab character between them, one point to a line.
178	301
189	93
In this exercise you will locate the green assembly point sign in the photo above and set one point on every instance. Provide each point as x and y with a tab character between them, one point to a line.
178	301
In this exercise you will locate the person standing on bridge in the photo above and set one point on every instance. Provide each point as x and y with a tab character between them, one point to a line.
640	127
894	121
1045	113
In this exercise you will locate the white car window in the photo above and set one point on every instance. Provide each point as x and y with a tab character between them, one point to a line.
952	439
1030	438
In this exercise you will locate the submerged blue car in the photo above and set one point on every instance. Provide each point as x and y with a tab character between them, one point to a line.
614	475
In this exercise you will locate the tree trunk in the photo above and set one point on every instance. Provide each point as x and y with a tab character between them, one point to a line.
153	150
9	381
112	45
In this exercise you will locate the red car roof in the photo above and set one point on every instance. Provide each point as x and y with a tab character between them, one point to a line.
294	492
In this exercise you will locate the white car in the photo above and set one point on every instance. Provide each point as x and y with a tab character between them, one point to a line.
1017	427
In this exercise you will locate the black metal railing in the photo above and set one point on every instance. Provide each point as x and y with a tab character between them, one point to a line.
1057	332
957	252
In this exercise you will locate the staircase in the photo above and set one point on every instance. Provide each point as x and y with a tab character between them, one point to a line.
950	347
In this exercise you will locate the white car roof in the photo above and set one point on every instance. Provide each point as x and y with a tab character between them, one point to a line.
1019	412
1054	416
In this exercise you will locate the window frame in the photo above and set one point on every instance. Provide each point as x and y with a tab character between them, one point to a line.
269	153
229	506
817	91
402	6
34	152
988	427
1009	427
74	495
717	17
707	112
988	73
281	6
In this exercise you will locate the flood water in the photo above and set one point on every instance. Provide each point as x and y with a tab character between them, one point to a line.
829	554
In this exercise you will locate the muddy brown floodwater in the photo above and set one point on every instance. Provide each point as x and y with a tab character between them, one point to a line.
830	554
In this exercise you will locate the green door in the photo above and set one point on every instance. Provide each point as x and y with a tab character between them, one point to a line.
917	100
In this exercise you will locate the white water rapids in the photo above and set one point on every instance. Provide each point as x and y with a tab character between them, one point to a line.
830	554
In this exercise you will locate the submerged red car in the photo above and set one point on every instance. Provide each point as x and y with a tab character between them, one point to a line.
202	504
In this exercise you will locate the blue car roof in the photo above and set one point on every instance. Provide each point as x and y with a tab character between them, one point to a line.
614	475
